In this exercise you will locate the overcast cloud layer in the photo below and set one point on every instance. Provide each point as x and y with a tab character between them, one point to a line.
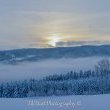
33	23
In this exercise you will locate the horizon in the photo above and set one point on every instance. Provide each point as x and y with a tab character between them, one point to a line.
86	45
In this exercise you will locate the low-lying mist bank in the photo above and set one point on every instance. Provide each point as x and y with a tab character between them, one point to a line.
27	70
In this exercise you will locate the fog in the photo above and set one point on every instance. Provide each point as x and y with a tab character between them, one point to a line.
27	70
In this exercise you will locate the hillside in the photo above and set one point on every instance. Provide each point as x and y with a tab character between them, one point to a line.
34	54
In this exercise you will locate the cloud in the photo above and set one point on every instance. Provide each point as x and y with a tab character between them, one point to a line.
78	43
32	22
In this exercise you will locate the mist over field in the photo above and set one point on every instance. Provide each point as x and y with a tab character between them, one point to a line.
27	70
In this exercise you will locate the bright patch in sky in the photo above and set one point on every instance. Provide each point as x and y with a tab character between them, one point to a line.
53	40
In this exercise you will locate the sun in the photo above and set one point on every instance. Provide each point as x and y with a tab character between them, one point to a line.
53	40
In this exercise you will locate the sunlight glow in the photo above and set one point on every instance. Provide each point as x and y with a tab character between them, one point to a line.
53	40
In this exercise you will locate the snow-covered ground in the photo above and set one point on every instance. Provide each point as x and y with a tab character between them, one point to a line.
27	70
93	102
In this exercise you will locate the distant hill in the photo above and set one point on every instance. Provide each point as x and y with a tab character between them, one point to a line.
35	54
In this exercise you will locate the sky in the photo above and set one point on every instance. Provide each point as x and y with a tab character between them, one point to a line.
53	23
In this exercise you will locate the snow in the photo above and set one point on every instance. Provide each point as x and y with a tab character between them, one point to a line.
93	102
27	70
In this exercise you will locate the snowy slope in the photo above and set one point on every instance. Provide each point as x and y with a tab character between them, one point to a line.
38	54
27	70
99	102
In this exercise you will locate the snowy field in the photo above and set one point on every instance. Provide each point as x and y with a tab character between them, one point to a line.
27	70
95	102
